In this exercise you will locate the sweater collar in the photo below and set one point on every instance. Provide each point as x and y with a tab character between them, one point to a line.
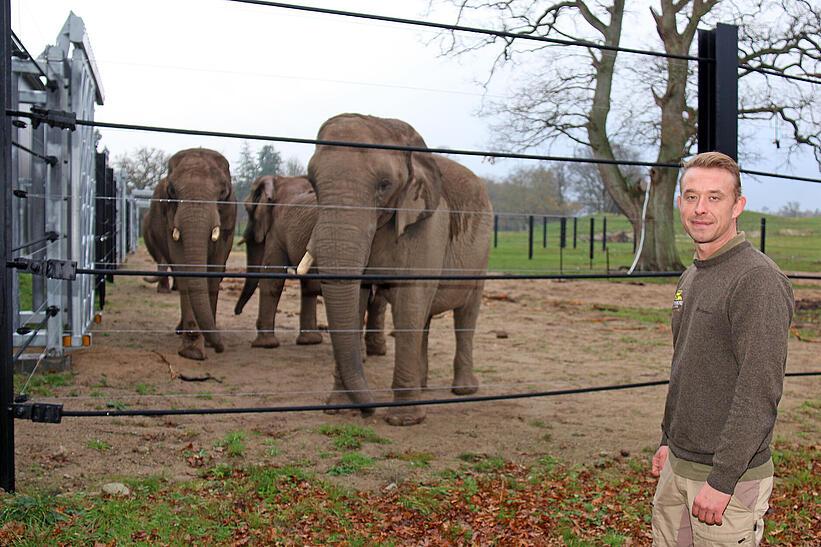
729	249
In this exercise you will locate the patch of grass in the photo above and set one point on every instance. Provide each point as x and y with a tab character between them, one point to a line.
416	459
351	463
116	405
43	384
103	382
424	499
271	448
206	396
34	511
483	463
98	444
654	316
233	443
351	437
145	389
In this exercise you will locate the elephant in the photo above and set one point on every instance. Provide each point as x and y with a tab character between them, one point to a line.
397	212
281	216
153	241
191	226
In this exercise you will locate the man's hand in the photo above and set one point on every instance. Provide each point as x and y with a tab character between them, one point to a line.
659	459
709	505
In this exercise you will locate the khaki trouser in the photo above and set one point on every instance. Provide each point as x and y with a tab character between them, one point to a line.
674	525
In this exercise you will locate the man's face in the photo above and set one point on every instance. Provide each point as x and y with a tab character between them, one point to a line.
708	206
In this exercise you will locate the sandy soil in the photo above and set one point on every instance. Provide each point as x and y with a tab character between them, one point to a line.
557	336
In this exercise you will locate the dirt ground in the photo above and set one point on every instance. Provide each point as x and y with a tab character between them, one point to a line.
558	336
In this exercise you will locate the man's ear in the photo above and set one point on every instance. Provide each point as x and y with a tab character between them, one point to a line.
421	193
738	206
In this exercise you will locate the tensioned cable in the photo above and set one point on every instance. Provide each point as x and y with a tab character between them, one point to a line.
35	242
367	406
40	250
50	160
779	74
473	30
394	147
281	393
554	216
30	57
776	175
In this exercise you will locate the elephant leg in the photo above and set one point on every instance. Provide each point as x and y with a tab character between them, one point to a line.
163	285
308	333
213	296
270	291
423	356
464	324
192	340
375	343
410	314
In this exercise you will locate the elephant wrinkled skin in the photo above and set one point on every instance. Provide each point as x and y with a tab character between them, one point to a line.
154	237
281	215
396	213
194	231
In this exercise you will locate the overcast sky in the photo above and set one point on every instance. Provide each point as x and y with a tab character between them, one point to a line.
224	66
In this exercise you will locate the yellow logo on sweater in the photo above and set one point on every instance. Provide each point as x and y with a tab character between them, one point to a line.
678	299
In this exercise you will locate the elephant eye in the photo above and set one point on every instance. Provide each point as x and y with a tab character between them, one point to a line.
171	192
383	185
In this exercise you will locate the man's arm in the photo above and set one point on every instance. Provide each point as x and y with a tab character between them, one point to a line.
760	311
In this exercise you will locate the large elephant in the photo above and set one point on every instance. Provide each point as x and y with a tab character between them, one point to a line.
397	213
281	215
191	226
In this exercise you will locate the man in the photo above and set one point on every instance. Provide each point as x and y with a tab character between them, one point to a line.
731	315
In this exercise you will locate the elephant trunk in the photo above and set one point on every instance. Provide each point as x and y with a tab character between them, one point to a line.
254	260
343	248
196	240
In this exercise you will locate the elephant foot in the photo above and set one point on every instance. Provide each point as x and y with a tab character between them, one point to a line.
163	289
192	352
219	347
341	398
375	345
406	415
465	384
265	340
309	338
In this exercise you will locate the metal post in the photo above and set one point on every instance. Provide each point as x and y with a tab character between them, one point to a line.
718	90
563	233
6	348
764	235
544	232
495	231
530	237
604	234
592	239
575	227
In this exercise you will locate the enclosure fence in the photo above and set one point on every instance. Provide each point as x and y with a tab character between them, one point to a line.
73	183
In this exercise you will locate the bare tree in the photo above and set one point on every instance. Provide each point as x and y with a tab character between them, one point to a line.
294	168
571	96
144	167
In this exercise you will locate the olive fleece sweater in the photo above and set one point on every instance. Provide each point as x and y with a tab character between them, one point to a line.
731	319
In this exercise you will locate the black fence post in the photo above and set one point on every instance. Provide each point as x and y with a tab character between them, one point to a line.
563	241
544	232
764	235
592	239
575	227
6	320
530	237
604	234
495	231
718	90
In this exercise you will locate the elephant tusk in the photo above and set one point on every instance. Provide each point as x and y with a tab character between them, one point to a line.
215	233
305	264
175	234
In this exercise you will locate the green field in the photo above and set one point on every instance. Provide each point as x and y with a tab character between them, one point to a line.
794	243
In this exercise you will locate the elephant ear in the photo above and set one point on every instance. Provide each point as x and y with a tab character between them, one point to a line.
421	193
262	216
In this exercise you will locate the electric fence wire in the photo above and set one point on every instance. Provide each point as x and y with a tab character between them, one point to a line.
374	405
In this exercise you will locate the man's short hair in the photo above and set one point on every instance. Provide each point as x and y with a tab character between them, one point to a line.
714	160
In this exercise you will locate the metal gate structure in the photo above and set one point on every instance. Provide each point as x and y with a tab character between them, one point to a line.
53	171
